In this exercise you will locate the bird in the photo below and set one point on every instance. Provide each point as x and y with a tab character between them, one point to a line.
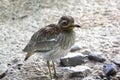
53	41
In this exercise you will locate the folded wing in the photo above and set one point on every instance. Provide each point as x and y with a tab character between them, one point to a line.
43	40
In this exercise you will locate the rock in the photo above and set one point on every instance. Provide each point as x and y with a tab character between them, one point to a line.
78	71
110	70
75	48
96	57
116	59
72	59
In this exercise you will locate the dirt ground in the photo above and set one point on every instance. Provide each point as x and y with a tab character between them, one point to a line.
19	19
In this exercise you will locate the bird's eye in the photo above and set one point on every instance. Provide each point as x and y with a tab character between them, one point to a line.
64	23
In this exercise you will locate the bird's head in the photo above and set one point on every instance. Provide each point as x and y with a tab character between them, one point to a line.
67	23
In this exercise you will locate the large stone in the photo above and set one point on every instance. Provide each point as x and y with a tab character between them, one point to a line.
78	71
72	59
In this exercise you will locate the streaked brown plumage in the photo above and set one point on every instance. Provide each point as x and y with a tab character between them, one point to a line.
40	41
53	41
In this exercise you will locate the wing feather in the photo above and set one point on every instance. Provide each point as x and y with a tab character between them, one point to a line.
44	39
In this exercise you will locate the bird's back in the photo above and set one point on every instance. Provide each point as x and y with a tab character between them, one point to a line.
43	40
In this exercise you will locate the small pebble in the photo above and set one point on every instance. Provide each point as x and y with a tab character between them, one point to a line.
75	48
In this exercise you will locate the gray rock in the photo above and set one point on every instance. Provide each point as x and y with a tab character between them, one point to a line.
110	70
78	71
72	59
97	58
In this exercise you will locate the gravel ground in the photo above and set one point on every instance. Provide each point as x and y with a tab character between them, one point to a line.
19	19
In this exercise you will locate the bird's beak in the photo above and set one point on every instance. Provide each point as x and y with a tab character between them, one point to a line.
77	26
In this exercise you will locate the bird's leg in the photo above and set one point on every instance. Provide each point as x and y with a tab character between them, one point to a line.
54	67
56	75
48	64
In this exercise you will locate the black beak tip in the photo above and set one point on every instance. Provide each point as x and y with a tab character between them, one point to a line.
77	26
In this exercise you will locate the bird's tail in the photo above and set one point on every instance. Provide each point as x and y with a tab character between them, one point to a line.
28	55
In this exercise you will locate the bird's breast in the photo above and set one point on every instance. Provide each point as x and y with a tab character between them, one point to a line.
66	40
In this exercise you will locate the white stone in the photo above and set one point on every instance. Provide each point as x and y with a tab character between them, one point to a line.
76	69
69	55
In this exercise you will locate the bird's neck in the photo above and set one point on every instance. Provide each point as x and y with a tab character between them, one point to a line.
67	39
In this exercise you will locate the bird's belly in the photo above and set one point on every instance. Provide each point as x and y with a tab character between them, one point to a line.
65	43
55	54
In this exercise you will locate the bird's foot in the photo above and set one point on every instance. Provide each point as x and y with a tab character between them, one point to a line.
58	75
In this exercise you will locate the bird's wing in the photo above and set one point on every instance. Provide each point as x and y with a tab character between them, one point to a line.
43	40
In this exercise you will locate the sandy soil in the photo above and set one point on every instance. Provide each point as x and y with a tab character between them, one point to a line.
19	19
